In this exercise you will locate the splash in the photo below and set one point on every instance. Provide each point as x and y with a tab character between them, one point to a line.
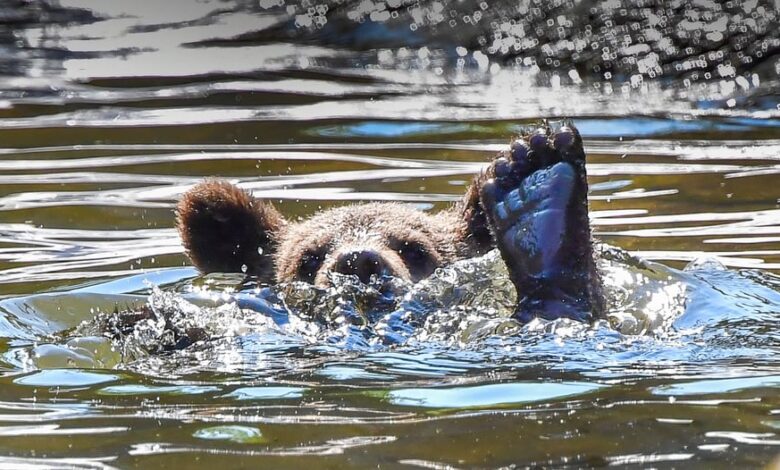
462	306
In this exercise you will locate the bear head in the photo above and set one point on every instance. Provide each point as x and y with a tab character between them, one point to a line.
225	229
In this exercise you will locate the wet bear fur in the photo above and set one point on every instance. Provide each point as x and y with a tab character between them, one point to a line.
225	229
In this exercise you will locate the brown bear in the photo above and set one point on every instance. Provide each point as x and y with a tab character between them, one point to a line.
531	203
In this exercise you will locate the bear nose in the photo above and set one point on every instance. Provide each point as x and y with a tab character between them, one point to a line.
363	264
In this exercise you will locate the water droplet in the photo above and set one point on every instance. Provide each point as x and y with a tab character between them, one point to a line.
244	268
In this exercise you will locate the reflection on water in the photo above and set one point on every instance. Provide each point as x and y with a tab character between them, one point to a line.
109	110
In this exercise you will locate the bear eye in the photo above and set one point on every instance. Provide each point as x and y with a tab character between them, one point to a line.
411	251
417	259
309	265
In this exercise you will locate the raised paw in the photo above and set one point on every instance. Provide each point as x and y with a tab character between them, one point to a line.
537	208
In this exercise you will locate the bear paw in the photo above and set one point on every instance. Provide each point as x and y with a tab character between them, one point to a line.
536	203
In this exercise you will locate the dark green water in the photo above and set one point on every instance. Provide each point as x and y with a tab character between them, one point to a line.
109	113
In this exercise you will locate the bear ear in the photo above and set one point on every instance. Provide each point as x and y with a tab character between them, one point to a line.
476	231
225	229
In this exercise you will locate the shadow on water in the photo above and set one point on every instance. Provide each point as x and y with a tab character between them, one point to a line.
110	110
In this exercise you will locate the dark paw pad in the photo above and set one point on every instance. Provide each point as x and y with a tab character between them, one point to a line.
536	202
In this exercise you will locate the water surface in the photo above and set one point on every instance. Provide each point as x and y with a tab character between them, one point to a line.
109	111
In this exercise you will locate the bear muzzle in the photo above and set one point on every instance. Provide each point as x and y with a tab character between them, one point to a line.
364	263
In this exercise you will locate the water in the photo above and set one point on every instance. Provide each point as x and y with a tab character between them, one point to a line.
110	111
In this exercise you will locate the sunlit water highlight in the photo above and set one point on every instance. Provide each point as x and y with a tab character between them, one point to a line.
107	115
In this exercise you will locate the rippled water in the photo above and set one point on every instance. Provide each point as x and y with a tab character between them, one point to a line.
110	110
